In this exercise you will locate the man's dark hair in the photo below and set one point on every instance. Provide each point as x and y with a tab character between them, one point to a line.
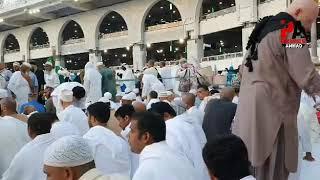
205	87
226	157
41	123
125	110
151	62
161	108
100	110
163	63
153	95
79	92
151	123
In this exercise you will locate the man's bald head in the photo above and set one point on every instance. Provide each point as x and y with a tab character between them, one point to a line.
305	11
139	106
8	106
189	99
227	93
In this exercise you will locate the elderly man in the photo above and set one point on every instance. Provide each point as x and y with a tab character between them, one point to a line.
157	160
71	158
20	84
16	66
72	114
189	101
39	125
108	80
92	83
272	80
33	102
166	74
139	106
5	76
50	76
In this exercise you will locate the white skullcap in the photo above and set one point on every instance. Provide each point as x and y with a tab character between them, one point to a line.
62	129
136	90
48	63
165	94
99	64
16	64
66	95
26	64
69	151
3	93
131	97
193	91
107	95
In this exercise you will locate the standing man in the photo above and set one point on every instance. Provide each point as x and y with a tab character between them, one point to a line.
5	76
20	84
166	75
41	82
108	80
272	80
203	94
50	76
92	83
151	69
16	66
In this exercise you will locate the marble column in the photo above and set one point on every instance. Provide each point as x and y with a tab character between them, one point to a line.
139	54
195	50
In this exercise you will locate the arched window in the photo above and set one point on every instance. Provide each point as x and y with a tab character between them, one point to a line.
39	39
115	57
11	44
72	33
112	23
210	6
163	12
167	51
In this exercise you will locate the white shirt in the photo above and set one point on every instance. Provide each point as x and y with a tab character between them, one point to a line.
159	162
94	174
75	116
20	87
152	101
152	71
51	78
182	137
92	83
111	153
28	162
197	114
248	178
13	136
167	79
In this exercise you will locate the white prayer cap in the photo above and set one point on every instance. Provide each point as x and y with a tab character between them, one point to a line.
193	91
99	64
136	90
62	129
131	97
69	151
165	94
48	63
3	93
16	64
107	95
26	64
66	95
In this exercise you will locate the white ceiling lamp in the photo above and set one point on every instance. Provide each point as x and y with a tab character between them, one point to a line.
128	48
220	2
105	51
76	0
181	41
171	6
1	20
124	55
148	45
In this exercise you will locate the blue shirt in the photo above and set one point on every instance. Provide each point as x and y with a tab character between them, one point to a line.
39	107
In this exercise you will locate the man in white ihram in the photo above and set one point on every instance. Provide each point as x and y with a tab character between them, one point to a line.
92	83
72	114
70	158
51	78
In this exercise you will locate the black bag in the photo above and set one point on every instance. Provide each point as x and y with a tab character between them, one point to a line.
159	76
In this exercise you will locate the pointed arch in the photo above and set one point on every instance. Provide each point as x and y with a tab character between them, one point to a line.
111	22
10	44
38	39
70	30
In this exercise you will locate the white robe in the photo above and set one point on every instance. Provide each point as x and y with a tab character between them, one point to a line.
111	153
28	162
92	83
128	79
182	137
167	78
197	114
13	136
151	83
75	116
20	87
152	101
159	162
94	174
51	79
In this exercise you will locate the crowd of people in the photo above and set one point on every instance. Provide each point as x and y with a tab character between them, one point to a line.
245	129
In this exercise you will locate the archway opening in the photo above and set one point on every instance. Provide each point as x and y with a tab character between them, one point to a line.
72	33
163	12
167	51
11	44
39	39
111	24
210	6
115	57
76	61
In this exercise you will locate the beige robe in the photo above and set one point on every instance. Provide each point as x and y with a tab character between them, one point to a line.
94	174
270	97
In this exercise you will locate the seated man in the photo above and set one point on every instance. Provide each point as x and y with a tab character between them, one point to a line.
226	157
157	160
33	101
71	158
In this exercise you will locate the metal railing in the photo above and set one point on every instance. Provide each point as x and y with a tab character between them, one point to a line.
164	26
43	46
222	57
220	13
74	41
111	35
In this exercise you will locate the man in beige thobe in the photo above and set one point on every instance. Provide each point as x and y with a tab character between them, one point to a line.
273	77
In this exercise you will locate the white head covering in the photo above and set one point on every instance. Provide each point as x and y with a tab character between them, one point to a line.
99	64
131	96
62	129
107	95
165	94
193	91
48	63
69	151
136	90
3	93
66	95
26	64
16	64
